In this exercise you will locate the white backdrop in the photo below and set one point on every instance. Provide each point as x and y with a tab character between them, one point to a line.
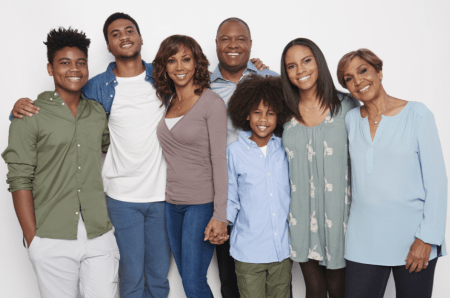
412	37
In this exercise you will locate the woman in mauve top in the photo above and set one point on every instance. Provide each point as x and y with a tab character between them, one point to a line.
399	206
193	139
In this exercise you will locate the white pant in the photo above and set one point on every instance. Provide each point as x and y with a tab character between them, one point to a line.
65	268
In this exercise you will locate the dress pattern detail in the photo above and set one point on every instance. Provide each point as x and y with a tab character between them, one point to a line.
320	187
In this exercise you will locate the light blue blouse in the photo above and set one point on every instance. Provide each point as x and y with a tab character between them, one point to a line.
399	186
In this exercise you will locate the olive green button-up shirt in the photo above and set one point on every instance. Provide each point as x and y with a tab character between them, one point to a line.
58	158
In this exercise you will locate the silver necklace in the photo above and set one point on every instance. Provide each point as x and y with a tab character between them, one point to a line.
376	122
307	107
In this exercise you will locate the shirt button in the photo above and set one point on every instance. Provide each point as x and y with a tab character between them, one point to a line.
56	94
62	103
274	214
106	84
268	174
79	168
79	190
270	194
51	98
275	234
260	156
79	145
110	95
76	213
114	81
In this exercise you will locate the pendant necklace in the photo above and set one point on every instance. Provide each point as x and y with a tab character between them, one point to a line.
376	122
184	100
309	109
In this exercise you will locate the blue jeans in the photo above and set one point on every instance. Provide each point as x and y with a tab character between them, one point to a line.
186	227
143	242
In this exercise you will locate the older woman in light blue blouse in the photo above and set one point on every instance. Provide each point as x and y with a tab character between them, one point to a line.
398	213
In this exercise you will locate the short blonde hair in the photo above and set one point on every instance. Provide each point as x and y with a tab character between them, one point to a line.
364	54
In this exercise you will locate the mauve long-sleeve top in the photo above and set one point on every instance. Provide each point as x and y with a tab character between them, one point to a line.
195	153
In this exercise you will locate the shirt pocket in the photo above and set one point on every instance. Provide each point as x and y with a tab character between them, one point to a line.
94	131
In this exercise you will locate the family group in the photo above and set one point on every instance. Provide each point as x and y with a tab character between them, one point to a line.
266	169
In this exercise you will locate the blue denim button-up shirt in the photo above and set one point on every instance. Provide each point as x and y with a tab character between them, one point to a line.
258	200
101	88
226	88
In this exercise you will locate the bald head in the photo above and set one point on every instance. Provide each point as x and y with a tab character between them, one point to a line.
238	20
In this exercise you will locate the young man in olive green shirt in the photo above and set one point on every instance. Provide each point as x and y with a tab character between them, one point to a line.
54	175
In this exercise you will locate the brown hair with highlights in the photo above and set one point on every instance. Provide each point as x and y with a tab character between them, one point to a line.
165	87
364	54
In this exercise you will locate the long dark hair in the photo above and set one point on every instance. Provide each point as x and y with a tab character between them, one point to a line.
326	92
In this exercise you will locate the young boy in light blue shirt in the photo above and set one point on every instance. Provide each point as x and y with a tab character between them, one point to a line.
259	189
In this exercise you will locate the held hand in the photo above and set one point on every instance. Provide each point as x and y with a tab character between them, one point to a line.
216	232
259	64
418	256
24	106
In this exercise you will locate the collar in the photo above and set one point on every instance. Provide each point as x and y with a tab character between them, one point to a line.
244	140
53	95
111	77
218	75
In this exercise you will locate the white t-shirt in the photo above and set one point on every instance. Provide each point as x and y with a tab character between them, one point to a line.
170	122
134	168
264	150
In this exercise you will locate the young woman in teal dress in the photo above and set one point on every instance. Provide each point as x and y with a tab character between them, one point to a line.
315	141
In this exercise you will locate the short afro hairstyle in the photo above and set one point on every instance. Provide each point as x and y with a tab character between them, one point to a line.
118	16
165	87
248	95
61	38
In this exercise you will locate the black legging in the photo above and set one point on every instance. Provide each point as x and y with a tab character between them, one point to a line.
370	281
320	280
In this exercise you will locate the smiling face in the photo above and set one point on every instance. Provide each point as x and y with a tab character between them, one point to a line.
233	46
181	67
262	121
69	70
301	67
124	40
362	80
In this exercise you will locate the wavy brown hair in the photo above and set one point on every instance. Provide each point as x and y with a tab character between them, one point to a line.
364	54
248	95
165	87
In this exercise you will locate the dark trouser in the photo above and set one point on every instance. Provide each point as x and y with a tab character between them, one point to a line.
369	281
186	227
227	274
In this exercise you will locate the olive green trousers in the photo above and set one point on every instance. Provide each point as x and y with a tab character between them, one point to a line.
270	280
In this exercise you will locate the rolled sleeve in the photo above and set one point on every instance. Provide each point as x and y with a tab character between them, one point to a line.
20	155
432	227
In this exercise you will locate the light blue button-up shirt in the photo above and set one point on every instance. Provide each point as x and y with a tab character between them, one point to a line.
258	200
399	187
226	88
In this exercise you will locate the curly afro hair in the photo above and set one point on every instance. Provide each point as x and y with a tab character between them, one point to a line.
248	95
61	38
169	47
